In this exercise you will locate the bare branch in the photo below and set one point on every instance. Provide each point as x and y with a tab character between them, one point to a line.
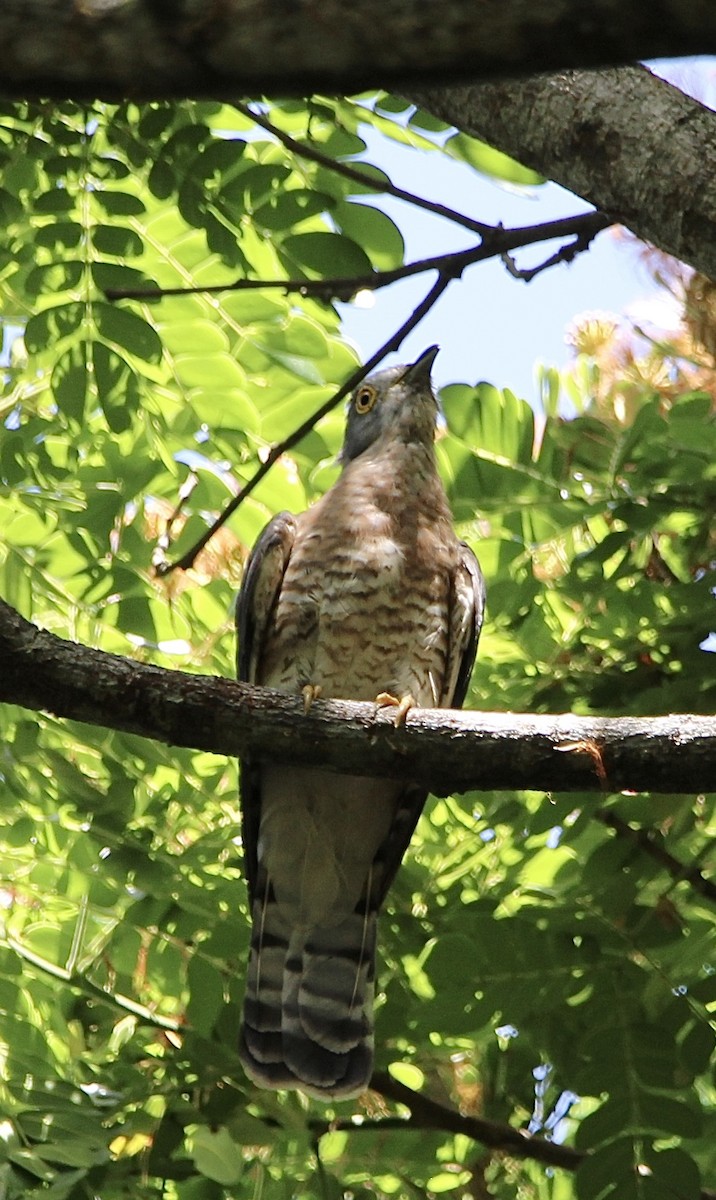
448	751
495	243
566	254
429	1114
364	178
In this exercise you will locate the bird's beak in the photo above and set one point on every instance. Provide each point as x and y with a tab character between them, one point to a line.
419	372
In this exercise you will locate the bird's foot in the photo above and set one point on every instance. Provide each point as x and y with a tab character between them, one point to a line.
310	693
401	705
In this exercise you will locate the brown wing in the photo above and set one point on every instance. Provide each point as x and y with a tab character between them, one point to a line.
260	589
467	607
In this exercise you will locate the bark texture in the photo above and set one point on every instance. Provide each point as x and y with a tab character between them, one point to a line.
175	48
625	140
447	751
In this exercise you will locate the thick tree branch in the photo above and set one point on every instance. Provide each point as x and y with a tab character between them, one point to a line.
172	48
632	145
448	751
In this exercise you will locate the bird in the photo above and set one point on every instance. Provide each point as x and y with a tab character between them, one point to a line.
367	595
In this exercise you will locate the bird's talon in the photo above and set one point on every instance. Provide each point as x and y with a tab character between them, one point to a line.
402	706
310	693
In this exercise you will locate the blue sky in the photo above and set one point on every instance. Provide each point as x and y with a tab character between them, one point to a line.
490	326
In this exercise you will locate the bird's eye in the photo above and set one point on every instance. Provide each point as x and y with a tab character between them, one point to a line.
366	397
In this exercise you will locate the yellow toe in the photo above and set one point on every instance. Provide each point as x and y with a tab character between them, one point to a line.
310	693
401	705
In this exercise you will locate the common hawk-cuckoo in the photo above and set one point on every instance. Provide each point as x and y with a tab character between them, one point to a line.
368	594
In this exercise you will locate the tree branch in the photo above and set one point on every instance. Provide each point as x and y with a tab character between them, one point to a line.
496	243
361	177
174	48
565	254
629	143
429	1114
447	751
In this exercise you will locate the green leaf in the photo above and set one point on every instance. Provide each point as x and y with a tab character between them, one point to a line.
605	1169
128	331
254	184
489	161
374	231
110	166
120	204
10	207
219	372
58	200
289	208
60	235
118	388
328	255
206	995
69	382
408	1074
55	277
675	1172
118	240
27	529
52	325
216	1155
448	1181
107	275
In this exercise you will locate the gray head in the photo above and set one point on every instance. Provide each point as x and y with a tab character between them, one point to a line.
395	404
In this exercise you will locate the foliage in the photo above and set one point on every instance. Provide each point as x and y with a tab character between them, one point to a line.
537	968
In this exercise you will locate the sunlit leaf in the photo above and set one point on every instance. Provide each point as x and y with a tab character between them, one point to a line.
489	161
327	254
52	325
127	330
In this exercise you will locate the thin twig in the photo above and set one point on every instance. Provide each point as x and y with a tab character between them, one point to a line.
362	177
645	839
583	226
565	254
393	343
79	983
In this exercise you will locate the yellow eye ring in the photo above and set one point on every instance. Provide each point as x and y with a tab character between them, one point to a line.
365	398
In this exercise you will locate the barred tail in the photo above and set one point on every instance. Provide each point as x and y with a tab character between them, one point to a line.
308	1011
